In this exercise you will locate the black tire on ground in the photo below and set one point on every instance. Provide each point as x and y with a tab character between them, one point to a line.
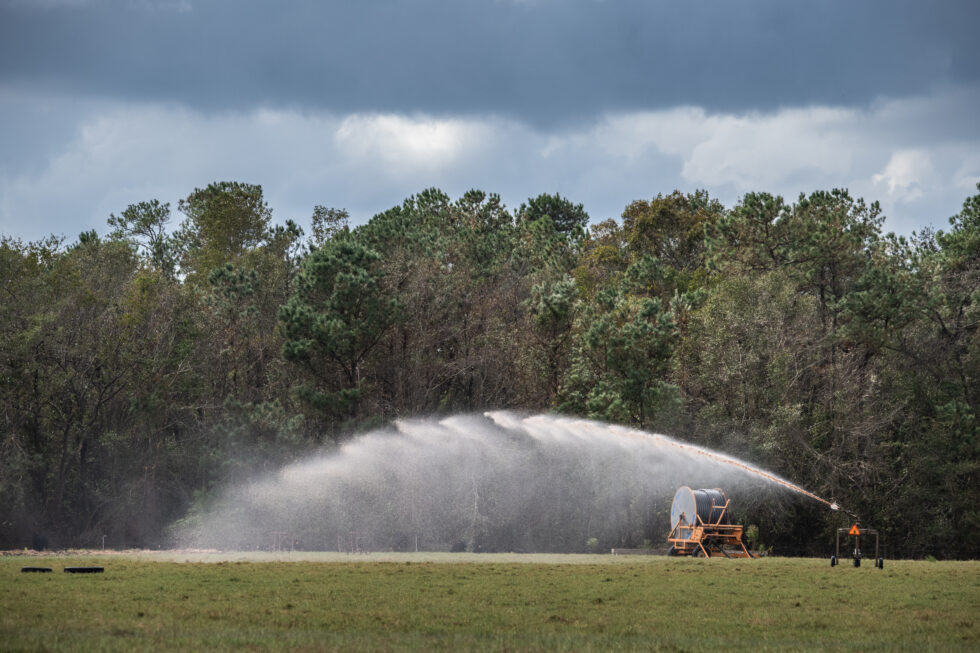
833	561
35	570
857	562
84	570
880	563
671	551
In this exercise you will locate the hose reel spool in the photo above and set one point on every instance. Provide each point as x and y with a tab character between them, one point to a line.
691	505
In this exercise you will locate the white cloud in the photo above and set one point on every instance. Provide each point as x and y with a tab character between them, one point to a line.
119	153
403	143
752	151
908	172
892	152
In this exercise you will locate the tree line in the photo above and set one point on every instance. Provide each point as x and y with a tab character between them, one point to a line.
142	369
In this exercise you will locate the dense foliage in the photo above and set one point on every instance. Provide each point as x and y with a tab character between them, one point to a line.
141	370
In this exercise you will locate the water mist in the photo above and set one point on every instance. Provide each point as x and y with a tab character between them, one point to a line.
493	482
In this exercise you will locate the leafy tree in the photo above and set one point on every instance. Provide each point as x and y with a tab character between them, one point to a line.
756	235
824	240
25	321
565	216
603	259
672	230
327	223
918	305
224	220
145	225
457	270
552	308
335	317
626	343
835	235
78	372
956	310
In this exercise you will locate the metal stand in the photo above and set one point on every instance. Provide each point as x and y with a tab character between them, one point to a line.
856	533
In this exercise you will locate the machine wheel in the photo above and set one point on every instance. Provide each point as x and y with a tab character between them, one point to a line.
857	562
833	561
880	563
671	551
35	570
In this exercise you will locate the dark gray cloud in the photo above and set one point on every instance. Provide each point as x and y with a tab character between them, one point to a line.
544	62
359	104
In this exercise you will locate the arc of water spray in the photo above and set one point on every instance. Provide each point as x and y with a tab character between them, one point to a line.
426	477
735	463
711	455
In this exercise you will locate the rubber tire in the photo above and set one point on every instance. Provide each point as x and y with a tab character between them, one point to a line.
857	562
671	551
35	570
880	563
833	561
84	570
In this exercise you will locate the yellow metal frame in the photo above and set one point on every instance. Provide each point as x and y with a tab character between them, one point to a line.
708	539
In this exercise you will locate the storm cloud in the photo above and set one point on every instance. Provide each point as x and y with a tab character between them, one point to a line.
542	61
357	105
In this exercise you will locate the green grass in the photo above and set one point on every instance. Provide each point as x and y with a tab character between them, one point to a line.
446	602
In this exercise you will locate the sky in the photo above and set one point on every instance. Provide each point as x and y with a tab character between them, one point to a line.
359	104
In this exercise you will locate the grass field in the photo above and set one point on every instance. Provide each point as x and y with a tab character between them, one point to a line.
487	602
